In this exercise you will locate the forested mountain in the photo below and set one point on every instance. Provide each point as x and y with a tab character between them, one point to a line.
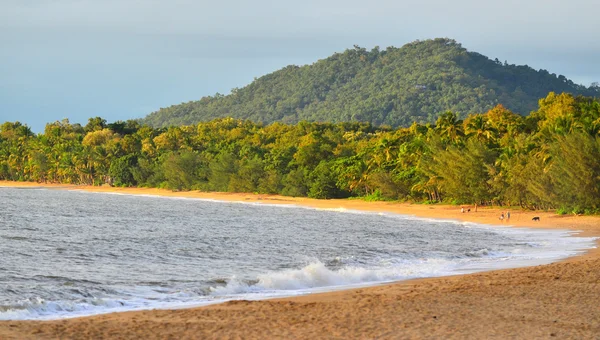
395	86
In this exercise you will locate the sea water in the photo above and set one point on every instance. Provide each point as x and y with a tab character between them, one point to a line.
72	253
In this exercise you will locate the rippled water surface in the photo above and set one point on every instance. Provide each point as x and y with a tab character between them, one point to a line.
69	253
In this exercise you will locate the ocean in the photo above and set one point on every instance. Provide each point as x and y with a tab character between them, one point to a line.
66	253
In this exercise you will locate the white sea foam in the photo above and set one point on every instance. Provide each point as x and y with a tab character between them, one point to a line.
42	309
135	298
314	277
317	276
553	246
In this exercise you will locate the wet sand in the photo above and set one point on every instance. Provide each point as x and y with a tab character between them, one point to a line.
557	300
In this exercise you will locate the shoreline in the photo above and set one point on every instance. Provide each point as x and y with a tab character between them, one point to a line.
279	314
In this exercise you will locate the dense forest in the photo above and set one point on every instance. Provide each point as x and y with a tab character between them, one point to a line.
395	87
549	159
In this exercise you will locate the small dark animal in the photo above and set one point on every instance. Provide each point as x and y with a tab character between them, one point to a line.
535	218
469	210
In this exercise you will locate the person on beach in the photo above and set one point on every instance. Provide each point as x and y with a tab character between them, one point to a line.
462	210
502	216
508	216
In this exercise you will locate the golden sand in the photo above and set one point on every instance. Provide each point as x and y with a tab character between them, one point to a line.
557	300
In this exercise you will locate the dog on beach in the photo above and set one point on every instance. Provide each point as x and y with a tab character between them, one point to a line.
536	218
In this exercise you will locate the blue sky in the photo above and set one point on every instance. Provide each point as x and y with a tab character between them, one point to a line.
122	59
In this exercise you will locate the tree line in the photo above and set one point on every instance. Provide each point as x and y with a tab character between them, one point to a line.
547	160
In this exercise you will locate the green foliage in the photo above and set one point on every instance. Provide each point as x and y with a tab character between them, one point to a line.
576	171
95	124
148	173
121	171
323	183
221	170
295	183
376	196
395	87
577	210
548	160
427	202
249	176
464	173
182	170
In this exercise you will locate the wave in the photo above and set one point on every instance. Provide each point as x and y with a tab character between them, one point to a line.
317	275
37	308
120	300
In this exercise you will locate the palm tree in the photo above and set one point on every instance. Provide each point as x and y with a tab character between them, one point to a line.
449	127
477	126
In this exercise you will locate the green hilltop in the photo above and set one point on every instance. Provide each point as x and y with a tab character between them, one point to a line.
395	86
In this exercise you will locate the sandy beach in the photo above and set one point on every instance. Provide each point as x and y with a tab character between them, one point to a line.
557	300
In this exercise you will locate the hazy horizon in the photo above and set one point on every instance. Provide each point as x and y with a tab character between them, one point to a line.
125	59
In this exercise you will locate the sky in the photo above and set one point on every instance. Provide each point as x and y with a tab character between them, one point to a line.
123	59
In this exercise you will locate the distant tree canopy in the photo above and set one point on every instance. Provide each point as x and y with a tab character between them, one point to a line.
395	87
549	159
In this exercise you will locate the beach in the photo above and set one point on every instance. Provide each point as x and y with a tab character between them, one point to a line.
555	300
